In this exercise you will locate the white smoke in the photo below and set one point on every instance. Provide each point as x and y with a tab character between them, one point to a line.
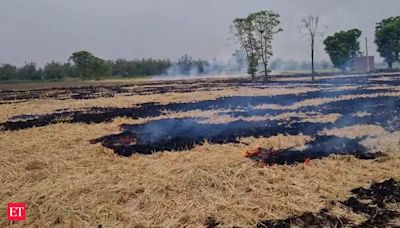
186	66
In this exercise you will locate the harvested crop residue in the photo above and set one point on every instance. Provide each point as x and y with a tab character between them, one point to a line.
49	163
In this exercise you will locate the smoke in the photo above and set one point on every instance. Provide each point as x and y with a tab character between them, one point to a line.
178	134
186	66
293	65
234	64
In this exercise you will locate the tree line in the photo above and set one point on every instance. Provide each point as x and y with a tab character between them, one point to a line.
30	72
85	65
256	32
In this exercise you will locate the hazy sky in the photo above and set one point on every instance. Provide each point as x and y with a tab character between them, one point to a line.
43	30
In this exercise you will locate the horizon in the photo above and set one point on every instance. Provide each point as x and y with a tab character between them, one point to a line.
168	30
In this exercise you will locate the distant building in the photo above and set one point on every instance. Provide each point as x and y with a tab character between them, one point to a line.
360	64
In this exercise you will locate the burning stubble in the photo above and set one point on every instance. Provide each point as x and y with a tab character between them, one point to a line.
185	133
220	185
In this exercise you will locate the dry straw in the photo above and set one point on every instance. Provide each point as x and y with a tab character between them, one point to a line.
67	182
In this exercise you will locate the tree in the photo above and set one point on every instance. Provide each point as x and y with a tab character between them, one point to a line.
254	34
242	29
139	67
265	25
186	66
89	65
387	38
70	70
29	72
83	61
342	47
54	70
310	27
99	67
7	72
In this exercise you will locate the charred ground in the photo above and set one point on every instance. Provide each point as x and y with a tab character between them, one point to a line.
284	128
185	133
371	202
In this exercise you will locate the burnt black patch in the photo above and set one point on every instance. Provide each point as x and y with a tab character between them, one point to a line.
320	219
183	86
320	147
181	134
91	92
99	115
386	192
211	222
371	202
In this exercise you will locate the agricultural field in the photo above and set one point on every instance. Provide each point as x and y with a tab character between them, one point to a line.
216	152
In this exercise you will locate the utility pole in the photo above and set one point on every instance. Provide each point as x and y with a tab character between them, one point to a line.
366	52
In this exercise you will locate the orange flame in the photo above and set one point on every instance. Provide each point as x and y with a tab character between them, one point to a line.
251	152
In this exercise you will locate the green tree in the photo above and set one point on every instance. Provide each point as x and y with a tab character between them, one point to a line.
7	72
70	70
99	67
265	26
342	47
83	61
243	30
54	70
255	34
29	72
139	67
387	38
89	66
